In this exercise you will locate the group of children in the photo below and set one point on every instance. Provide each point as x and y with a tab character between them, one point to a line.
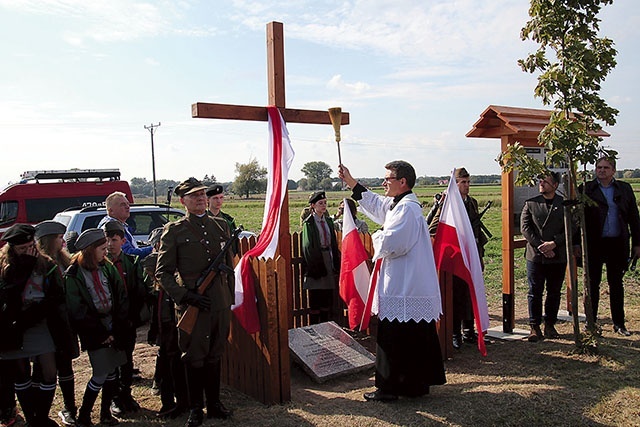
49	298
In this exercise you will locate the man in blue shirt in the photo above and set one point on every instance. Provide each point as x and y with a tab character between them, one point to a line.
118	210
609	224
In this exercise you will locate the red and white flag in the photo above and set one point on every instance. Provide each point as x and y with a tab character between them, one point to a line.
456	252
280	158
354	272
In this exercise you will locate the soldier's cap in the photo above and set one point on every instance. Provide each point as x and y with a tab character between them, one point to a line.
70	240
189	186
316	196
49	227
110	227
154	236
19	234
461	173
215	190
88	237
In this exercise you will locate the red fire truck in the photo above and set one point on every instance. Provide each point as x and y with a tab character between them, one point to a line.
41	194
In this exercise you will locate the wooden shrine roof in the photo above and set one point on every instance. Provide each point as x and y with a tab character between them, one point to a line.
526	123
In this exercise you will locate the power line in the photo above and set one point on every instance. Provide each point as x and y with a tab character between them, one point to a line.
151	128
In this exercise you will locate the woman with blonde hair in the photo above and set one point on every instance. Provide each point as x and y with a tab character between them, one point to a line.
98	308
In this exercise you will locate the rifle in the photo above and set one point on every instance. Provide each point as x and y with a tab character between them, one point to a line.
189	317
478	219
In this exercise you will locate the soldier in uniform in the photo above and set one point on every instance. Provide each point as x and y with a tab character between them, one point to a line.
187	247
462	307
215	197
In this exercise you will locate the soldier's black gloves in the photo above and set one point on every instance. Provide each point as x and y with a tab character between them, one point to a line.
193	298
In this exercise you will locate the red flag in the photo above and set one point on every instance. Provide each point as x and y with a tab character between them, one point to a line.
354	271
280	156
456	252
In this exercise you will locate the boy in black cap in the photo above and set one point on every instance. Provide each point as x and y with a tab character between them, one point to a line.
130	271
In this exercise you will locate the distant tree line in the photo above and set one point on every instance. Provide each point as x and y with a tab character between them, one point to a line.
251	179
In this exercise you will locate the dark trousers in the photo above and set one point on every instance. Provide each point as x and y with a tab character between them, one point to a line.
612	252
539	275
7	392
171	372
462	306
408	357
125	372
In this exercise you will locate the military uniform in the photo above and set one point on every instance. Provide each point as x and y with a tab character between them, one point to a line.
187	247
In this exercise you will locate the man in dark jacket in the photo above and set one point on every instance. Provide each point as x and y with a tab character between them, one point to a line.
542	225
609	224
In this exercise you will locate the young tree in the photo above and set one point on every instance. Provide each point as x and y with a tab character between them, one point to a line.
315	173
570	82
251	178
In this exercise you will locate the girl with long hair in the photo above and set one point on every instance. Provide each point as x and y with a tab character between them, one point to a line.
98	308
31	301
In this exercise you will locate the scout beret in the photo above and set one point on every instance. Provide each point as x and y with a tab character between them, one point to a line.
154	236
70	239
215	190
19	234
89	237
461	173
189	186
49	227
113	227
316	196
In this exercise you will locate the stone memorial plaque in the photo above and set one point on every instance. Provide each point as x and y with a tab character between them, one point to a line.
325	351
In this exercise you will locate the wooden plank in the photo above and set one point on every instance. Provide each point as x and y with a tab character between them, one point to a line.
283	373
207	110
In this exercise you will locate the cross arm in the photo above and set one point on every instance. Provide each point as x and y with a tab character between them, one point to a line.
246	112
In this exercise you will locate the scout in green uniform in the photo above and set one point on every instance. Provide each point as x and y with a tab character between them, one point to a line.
130	271
215	197
187	247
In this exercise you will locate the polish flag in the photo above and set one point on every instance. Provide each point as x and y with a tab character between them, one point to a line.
354	271
456	252
280	158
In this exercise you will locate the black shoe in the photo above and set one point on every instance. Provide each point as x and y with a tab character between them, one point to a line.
550	331
166	410
380	396
218	410
457	341
470	337
196	417
621	330
108	420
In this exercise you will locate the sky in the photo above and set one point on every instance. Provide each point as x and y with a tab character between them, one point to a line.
80	80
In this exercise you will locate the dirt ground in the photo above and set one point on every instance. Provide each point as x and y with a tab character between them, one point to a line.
517	384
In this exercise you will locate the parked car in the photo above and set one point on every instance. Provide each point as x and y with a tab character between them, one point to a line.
142	220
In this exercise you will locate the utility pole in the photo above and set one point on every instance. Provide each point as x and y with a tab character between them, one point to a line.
151	128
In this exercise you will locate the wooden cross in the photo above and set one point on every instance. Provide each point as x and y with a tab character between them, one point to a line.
275	74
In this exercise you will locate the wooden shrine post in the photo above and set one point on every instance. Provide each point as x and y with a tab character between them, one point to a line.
259	364
511	125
